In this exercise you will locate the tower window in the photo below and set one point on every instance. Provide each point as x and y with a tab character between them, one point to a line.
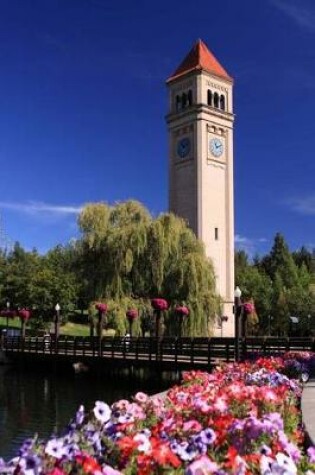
184	100
189	97
178	103
216	100
216	234
222	102
210	97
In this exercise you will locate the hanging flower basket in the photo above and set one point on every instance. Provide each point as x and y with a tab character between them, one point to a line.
159	304
101	307
8	313
182	310
248	308
132	314
24	314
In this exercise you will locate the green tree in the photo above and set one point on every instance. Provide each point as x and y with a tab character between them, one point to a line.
130	255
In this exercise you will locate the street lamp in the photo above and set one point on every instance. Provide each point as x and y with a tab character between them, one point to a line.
8	314
237	308
57	317
270	319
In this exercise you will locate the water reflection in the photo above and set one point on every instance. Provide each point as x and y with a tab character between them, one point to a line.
37	402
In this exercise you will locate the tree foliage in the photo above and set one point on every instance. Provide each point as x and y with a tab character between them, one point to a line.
134	256
280	283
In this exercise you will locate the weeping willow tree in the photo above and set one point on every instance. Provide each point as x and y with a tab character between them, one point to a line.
127	257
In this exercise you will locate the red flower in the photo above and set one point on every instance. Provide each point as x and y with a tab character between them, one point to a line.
163	455
127	445
89	464
132	314
101	307
144	465
24	314
182	310
159	304
56	471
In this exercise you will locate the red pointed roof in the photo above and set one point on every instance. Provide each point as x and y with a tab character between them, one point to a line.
200	58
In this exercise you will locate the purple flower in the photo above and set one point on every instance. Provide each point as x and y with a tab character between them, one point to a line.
202	465
311	454
79	417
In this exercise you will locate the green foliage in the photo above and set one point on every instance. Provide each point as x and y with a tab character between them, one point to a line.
280	284
134	256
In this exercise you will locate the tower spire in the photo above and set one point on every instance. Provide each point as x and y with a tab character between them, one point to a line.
200	58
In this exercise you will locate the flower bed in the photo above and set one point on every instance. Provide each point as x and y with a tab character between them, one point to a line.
241	419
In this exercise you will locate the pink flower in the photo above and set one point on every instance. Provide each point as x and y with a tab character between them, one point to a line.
192	426
123	404
182	310
141	397
220	405
248	307
132	314
24	314
136	411
159	304
101	307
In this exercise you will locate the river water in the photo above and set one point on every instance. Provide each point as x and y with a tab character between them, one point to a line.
44	402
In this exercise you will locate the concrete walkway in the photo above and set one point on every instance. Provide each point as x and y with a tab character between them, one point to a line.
308	409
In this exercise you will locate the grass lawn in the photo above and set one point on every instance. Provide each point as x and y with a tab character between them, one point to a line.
74	329
71	329
13	322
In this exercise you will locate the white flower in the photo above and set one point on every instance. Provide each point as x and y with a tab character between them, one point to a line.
55	448
102	411
144	443
284	465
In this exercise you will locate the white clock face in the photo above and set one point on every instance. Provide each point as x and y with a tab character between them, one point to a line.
216	147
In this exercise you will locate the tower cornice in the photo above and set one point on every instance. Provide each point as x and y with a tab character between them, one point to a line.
194	112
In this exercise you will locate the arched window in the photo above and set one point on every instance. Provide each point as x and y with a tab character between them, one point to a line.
189	96
216	100
222	102
178	103
184	100
210	97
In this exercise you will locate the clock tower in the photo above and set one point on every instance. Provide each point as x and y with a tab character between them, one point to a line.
200	124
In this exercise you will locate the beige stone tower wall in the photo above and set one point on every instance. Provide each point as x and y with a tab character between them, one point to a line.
201	183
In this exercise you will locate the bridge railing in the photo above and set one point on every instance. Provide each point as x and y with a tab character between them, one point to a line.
194	351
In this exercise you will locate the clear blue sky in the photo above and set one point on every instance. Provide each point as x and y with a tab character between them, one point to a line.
83	102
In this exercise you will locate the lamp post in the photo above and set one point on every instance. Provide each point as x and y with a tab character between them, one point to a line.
8	313
237	308
269	320
102	309
57	318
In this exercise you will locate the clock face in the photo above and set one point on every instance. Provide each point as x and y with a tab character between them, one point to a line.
216	147
183	147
